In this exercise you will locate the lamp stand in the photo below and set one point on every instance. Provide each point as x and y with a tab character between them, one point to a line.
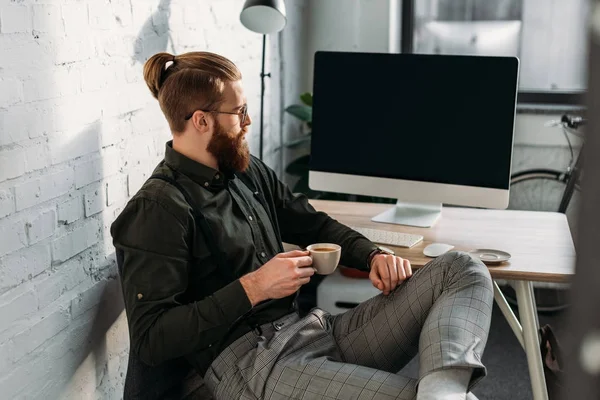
263	75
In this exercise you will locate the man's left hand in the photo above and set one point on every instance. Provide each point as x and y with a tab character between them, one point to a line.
389	271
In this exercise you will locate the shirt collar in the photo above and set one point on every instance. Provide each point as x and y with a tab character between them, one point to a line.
206	176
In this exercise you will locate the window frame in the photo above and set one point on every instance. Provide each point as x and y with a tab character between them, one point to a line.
524	97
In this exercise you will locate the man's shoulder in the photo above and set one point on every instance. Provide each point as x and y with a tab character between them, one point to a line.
158	195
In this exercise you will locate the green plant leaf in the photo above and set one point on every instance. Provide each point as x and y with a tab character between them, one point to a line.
292	144
307	98
298	167
302	112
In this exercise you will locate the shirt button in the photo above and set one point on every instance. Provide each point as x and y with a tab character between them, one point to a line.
139	296
205	184
250	217
216	176
263	255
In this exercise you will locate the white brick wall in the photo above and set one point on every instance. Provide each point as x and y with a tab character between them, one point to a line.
79	134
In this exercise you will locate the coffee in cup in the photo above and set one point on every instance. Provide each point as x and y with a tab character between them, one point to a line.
325	257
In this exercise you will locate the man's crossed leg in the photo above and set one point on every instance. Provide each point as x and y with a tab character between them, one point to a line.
442	313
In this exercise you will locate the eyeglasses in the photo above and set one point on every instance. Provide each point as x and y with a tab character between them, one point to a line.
243	113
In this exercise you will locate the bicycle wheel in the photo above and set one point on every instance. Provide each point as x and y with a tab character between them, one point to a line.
541	190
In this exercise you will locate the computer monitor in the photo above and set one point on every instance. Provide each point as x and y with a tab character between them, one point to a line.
484	38
423	129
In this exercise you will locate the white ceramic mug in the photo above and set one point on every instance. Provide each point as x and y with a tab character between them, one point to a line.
325	257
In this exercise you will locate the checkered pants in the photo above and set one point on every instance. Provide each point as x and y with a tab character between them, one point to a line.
442	313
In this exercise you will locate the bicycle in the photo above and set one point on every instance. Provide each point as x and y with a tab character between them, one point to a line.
545	189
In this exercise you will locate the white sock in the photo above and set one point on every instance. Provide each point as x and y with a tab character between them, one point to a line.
446	384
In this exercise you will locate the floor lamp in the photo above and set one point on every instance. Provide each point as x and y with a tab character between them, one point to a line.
263	16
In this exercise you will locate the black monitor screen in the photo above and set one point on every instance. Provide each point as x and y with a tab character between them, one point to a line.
431	118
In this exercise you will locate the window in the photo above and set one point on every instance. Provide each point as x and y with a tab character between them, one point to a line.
548	36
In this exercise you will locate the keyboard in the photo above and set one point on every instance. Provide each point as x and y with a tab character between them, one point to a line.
391	238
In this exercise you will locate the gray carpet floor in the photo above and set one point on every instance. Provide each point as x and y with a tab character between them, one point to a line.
508	376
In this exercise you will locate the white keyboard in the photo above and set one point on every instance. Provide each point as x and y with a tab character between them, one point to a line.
391	238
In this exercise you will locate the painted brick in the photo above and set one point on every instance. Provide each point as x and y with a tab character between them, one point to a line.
42	226
39	190
21	48
49	287
75	17
70	211
23	265
16	304
70	145
111	162
47	18
113	130
75	242
40	331
96	76
117	46
12	272
14	19
13	236
6	357
147	120
116	190
72	49
94	200
100	15
68	94
11	92
12	164
20	124
36	157
136	179
139	150
122	13
88	172
63	81
7	202
11	131
87	299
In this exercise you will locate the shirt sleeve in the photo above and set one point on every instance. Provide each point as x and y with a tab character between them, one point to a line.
302	225
152	248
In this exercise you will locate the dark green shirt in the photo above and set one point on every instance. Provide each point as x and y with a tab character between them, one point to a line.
178	302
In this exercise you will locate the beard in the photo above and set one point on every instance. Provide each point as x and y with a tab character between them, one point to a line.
230	149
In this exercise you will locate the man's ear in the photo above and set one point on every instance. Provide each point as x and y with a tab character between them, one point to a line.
201	121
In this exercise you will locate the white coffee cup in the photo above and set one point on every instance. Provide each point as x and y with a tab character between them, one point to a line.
325	257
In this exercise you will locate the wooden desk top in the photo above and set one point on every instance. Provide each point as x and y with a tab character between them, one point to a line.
540	242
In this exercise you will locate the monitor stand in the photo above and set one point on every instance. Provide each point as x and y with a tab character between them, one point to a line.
412	214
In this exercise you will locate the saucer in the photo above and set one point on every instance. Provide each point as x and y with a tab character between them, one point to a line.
490	256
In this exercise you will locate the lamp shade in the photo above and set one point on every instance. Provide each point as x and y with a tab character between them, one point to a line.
263	16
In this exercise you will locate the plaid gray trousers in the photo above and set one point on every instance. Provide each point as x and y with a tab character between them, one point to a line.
442	313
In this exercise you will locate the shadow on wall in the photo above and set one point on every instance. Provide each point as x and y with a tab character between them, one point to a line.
82	347
155	35
89	338
93	327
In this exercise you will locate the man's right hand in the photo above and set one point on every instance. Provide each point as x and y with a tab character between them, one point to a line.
282	276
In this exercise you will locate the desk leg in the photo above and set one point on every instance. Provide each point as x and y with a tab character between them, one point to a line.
528	315
508	313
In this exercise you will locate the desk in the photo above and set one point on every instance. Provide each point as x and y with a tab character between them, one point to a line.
540	244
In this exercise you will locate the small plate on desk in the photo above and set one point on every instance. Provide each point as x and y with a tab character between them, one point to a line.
490	256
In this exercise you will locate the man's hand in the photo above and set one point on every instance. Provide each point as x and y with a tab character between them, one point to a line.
278	278
388	271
